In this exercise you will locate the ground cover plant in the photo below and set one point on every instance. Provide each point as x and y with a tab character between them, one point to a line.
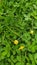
18	32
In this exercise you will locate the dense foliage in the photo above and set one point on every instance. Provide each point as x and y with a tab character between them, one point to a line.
18	32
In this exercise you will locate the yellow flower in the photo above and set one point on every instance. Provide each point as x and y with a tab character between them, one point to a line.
16	42
21	47
31	31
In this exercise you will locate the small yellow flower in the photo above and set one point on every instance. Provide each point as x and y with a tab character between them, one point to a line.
16	42
21	47
31	31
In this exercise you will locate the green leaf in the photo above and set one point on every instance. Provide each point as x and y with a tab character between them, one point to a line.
35	57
